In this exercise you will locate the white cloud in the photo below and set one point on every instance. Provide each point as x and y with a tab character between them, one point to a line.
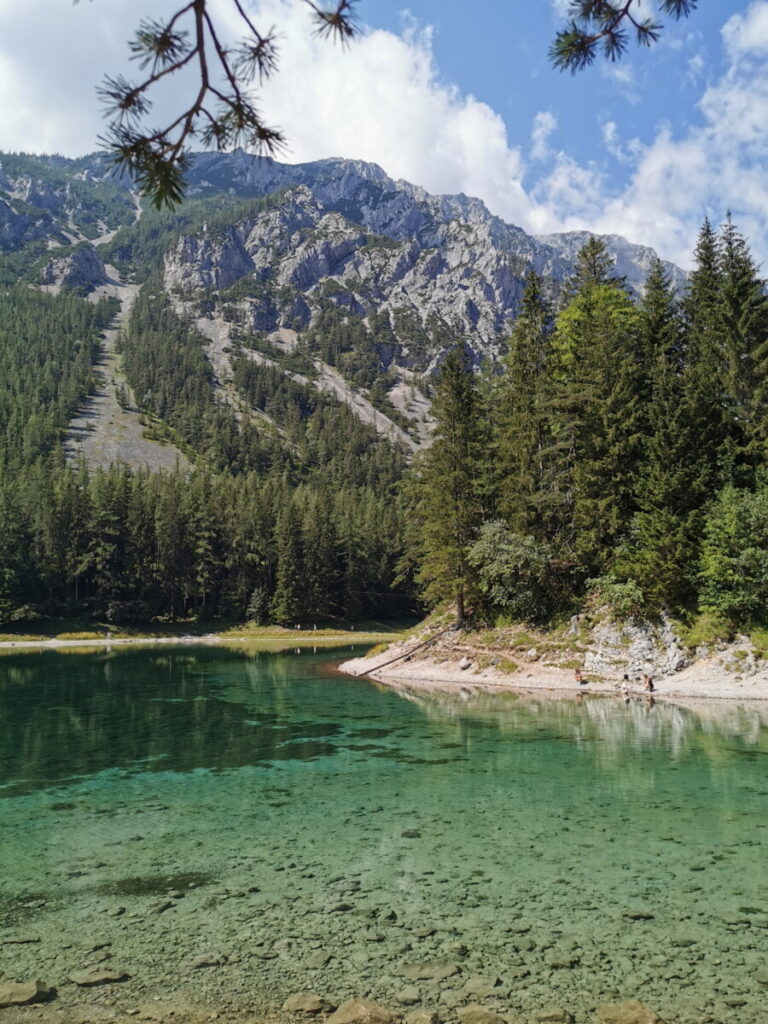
52	57
383	99
623	78
543	125
747	33
561	8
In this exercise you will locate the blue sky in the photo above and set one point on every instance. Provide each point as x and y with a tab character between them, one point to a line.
501	57
459	96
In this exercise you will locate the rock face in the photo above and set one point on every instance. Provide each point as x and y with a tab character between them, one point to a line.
22	993
344	232
635	647
81	269
378	277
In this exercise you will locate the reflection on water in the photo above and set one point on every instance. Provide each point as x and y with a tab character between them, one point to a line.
341	833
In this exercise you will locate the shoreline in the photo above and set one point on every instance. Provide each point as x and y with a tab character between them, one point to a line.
449	667
301	638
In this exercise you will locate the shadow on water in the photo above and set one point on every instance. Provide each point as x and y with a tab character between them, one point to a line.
66	717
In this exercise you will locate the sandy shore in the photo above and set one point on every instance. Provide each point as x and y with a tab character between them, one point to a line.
450	667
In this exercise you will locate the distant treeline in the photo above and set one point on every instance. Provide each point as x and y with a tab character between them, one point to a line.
283	521
131	546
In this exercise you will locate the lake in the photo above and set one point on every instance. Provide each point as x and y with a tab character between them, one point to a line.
230	827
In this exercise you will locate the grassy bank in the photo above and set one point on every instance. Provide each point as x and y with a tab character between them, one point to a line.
66	631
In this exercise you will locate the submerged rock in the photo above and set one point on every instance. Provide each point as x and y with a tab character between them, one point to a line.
483	987
422	1016
361	1011
436	970
89	979
20	993
479	1015
306	1002
630	1012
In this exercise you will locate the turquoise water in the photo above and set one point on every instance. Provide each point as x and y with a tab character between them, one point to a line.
304	831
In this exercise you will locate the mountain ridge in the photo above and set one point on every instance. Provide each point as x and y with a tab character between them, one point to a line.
373	278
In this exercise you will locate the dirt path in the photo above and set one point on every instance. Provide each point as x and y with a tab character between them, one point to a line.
103	432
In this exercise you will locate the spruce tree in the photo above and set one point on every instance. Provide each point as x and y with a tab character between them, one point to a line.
448	504
594	413
705	392
290	585
744	313
661	552
520	422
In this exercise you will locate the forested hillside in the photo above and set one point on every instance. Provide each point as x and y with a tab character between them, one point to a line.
292	326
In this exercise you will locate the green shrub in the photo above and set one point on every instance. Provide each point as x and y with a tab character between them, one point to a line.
734	559
707	628
514	572
624	598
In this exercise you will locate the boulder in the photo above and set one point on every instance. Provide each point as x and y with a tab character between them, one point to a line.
553	1016
20	993
630	1012
89	979
361	1011
305	1002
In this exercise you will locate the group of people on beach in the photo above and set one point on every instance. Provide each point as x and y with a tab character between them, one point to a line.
623	687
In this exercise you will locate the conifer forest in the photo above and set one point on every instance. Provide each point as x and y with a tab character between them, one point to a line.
616	446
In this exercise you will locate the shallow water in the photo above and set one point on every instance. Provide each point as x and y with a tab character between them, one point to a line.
315	832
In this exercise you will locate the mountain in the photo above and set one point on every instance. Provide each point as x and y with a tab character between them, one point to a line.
331	271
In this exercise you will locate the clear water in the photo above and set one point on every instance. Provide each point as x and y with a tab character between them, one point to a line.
310	832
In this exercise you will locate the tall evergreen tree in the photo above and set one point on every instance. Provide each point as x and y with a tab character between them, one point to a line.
289	597
594	413
744	314
706	369
448	504
520	436
661	552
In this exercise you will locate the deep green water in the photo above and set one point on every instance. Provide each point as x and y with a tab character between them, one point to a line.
327	834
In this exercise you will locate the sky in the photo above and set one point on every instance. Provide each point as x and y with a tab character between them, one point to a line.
459	96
